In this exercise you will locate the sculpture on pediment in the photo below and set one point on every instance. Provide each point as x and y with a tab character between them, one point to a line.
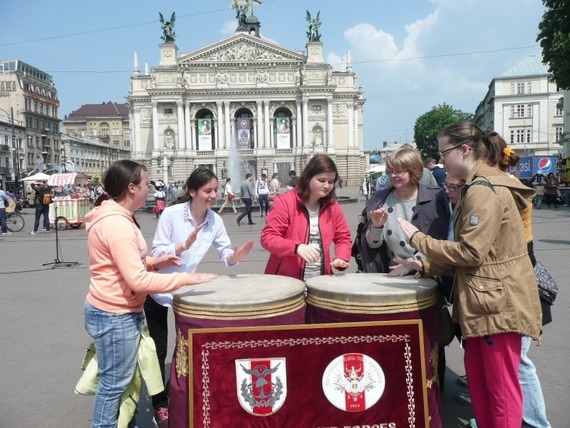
241	7
168	34
313	25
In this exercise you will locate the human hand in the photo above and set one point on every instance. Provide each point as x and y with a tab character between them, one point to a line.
192	237
378	217
240	253
408	264
166	261
308	253
398	270
408	228
200	278
340	264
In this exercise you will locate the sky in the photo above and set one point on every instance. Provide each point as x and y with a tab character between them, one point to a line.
408	55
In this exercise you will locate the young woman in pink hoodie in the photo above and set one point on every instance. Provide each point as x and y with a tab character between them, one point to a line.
121	277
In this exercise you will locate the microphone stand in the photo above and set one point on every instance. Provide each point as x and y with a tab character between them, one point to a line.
57	262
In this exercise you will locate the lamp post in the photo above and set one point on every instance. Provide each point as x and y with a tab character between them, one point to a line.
16	152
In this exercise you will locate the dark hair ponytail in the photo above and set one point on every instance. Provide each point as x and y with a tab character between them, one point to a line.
117	179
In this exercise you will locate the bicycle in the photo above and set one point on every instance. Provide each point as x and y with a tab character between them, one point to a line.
14	221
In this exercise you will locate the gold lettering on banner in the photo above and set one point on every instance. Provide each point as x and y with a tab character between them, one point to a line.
181	355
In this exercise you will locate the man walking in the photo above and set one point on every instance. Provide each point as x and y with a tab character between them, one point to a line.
247	195
43	199
3	205
262	193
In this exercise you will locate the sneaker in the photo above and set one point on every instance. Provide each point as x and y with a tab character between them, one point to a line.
33	233
6	233
237	221
462	380
464	398
161	417
48	231
251	223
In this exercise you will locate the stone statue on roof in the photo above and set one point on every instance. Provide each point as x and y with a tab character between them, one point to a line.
313	25
168	34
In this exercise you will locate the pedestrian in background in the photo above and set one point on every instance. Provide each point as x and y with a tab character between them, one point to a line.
262	194
42	202
247	197
229	196
3	205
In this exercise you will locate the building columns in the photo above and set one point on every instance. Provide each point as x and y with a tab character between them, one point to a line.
305	113
155	141
188	133
220	130
350	120
227	124
180	122
299	130
329	122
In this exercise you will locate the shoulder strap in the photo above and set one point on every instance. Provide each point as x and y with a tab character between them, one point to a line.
483	182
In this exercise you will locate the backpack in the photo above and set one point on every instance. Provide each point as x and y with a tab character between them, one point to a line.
46	198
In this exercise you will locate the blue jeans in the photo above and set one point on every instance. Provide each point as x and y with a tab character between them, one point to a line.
116	338
263	204
534	410
41	209
248	208
538	200
3	220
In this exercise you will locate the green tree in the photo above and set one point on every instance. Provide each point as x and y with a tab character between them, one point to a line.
554	38
430	124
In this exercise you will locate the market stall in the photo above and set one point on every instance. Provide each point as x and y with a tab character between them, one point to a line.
69	206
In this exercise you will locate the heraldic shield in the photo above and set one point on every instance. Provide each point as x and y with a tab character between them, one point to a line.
261	385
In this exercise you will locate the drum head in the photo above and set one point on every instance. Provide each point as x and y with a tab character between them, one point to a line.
371	293
240	297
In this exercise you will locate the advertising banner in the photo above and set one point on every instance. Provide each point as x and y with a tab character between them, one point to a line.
544	164
244	133
283	128
205	134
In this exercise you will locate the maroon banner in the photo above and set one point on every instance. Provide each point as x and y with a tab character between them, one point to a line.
365	374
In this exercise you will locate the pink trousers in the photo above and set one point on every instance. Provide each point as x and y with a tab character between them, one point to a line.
491	365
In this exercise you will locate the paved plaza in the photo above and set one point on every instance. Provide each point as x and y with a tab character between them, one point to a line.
43	338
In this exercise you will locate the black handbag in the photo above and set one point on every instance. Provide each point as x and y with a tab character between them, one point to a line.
547	287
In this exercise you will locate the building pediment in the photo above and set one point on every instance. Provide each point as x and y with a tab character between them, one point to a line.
241	48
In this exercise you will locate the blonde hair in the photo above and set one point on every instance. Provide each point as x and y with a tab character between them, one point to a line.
406	159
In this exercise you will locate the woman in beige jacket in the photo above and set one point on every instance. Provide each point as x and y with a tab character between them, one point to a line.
495	294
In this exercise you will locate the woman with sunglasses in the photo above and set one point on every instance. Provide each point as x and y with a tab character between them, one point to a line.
495	294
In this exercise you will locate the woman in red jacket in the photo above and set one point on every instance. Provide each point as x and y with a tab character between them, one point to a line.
303	222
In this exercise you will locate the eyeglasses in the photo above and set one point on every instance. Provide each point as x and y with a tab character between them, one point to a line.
446	151
397	173
452	187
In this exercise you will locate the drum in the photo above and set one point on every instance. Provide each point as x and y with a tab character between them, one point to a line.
228	301
356	297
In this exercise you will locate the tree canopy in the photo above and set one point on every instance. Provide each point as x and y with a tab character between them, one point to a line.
554	39
430	124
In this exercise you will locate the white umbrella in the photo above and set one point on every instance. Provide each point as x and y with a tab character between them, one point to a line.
40	176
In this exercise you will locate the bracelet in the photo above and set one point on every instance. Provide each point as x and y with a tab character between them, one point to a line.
296	247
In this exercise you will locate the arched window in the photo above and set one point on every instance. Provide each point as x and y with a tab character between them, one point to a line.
245	137
205	131
283	129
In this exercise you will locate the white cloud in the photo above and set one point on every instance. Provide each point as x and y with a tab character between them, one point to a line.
228	28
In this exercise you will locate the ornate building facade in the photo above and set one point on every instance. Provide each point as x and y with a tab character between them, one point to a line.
245	104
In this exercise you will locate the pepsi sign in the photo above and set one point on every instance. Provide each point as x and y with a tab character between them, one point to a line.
544	165
524	168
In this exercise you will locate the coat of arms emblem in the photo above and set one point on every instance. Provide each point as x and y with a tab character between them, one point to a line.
261	385
353	382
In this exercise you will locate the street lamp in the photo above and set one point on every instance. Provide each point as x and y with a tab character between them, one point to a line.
17	151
